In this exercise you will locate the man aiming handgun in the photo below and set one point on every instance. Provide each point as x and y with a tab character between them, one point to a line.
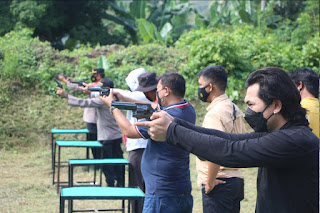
89	114
165	169
109	134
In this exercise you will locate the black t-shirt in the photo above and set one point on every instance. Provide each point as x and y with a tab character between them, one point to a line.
288	161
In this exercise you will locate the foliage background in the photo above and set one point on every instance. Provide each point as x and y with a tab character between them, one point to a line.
28	64
39	39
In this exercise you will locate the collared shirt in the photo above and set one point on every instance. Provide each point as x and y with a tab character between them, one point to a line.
107	126
165	168
225	116
312	107
89	114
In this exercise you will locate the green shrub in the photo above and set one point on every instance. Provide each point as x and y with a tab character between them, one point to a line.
152	57
34	63
208	47
241	50
20	56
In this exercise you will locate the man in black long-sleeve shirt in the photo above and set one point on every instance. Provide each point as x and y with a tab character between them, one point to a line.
282	146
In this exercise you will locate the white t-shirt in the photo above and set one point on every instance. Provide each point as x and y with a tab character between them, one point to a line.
134	143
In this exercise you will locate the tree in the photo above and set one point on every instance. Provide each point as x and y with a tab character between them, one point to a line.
53	19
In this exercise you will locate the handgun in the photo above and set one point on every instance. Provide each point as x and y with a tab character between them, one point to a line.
80	83
102	90
139	110
58	83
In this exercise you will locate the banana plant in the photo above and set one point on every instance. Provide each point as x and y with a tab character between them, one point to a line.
153	19
149	32
239	11
103	63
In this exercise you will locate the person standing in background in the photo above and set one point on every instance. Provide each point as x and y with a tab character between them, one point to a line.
89	114
109	134
222	187
307	82
135	146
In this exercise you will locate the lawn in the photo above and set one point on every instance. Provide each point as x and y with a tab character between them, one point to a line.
26	176
26	182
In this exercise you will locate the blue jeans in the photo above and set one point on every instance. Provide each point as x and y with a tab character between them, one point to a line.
224	198
171	204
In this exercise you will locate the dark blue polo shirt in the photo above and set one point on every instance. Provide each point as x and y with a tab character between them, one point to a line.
165	168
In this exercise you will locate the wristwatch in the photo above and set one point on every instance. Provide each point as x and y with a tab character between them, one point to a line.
112	108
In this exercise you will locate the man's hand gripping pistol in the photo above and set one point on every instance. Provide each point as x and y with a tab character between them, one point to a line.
139	110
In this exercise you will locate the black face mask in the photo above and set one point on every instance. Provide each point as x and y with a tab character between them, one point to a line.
93	79
145	94
256	120
159	99
203	94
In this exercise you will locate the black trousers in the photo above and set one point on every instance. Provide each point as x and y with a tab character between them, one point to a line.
112	149
92	136
136	179
224	198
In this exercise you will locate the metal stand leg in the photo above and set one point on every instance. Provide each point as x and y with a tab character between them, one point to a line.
129	185
62	202
54	161
58	174
70	174
52	157
100	174
70	206
88	169
94	175
128	206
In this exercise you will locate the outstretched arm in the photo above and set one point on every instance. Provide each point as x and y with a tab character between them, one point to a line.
225	135
226	149
126	127
161	120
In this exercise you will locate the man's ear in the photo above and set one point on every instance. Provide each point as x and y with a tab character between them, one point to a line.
300	86
168	91
211	86
277	106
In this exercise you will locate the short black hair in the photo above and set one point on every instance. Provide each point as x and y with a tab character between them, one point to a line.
100	71
275	84
175	82
216	74
308	77
107	82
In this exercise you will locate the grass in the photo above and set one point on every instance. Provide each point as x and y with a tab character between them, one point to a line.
25	157
26	182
